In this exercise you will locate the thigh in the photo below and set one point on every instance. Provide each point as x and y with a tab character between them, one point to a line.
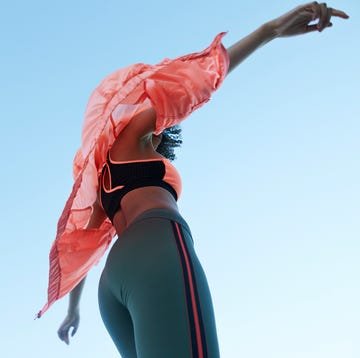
170	302
117	320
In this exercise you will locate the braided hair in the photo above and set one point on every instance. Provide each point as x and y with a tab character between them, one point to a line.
171	139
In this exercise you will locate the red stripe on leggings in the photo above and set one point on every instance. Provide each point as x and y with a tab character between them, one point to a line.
192	293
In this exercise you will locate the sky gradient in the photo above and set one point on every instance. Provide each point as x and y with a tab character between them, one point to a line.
270	170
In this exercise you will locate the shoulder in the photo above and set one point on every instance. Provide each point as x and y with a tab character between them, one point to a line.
135	139
140	127
142	124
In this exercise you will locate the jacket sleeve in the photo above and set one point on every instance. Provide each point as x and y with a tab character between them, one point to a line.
184	84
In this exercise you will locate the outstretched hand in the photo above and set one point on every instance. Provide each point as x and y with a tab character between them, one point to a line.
305	18
71	321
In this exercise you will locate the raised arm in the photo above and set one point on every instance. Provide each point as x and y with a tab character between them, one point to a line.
301	20
72	318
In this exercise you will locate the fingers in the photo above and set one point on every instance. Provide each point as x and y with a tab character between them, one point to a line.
323	13
73	331
311	28
63	334
71	322
324	16
339	13
64	330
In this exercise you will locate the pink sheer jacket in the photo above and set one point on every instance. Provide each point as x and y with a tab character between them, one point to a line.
174	88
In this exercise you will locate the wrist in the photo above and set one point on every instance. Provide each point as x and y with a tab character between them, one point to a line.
73	311
73	307
268	31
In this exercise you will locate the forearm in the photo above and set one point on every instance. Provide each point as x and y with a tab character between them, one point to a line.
74	297
298	21
246	46
96	219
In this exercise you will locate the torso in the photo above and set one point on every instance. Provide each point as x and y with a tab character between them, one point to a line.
139	200
128	148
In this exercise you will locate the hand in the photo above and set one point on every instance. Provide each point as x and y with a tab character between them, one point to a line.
297	21
71	321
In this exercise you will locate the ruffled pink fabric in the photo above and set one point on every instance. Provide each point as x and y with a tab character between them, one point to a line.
175	88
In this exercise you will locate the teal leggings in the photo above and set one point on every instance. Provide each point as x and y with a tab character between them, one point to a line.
153	295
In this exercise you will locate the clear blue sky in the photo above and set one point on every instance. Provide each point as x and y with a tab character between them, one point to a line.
270	170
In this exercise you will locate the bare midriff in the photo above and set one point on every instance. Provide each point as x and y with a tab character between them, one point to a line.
139	200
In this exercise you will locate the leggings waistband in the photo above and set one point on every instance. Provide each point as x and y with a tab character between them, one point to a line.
162	213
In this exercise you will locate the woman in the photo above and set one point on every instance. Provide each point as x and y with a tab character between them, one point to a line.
153	294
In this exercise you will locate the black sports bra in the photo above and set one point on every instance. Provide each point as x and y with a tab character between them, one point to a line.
122	177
